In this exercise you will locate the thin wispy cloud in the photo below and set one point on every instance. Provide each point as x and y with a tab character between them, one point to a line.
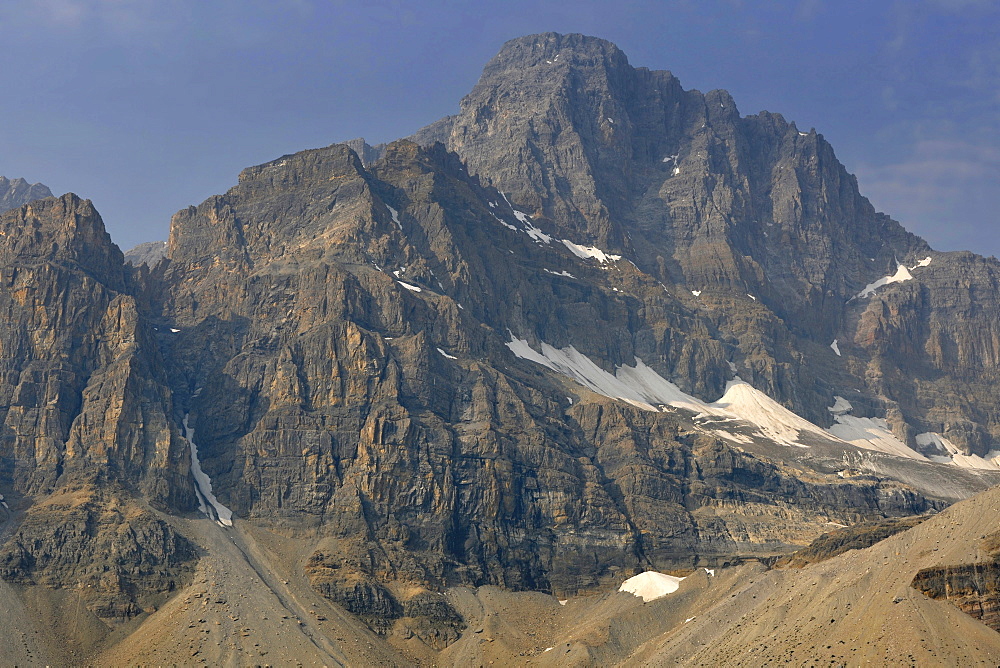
941	190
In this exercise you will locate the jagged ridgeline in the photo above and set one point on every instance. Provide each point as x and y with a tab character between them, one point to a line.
592	324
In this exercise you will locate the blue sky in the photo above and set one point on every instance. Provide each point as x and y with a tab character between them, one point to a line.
147	106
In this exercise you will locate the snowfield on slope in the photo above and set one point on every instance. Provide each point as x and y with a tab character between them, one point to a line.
642	387
651	585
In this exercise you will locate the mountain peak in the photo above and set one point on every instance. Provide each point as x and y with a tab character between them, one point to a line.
551	47
17	192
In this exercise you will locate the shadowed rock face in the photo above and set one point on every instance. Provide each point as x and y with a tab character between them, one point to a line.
972	588
335	330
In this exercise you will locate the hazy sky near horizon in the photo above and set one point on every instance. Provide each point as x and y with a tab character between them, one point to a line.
148	106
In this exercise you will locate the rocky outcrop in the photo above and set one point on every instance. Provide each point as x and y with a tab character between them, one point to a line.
82	391
972	588
86	423
17	192
856	537
119	559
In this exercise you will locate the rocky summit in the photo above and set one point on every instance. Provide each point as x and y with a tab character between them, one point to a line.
402	401
17	192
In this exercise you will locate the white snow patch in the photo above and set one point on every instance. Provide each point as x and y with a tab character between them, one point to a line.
872	434
611	120
696	293
651	585
639	385
688	620
803	134
902	274
203	484
174	330
676	171
410	287
503	222
559	273
493	205
395	216
710	571
525	219
746	402
751	296
922	263
451	357
585	252
642	387
563	602
840	406
530	229
548	649
835	348
990	462
838	525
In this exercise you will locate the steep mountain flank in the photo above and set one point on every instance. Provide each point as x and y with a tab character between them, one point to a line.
86	435
754	217
339	338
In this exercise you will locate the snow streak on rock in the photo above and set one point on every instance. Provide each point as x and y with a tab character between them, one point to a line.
641	386
203	485
585	252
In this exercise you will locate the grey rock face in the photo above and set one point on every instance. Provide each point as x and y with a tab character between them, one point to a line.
148	253
14	193
335	380
366	152
756	216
